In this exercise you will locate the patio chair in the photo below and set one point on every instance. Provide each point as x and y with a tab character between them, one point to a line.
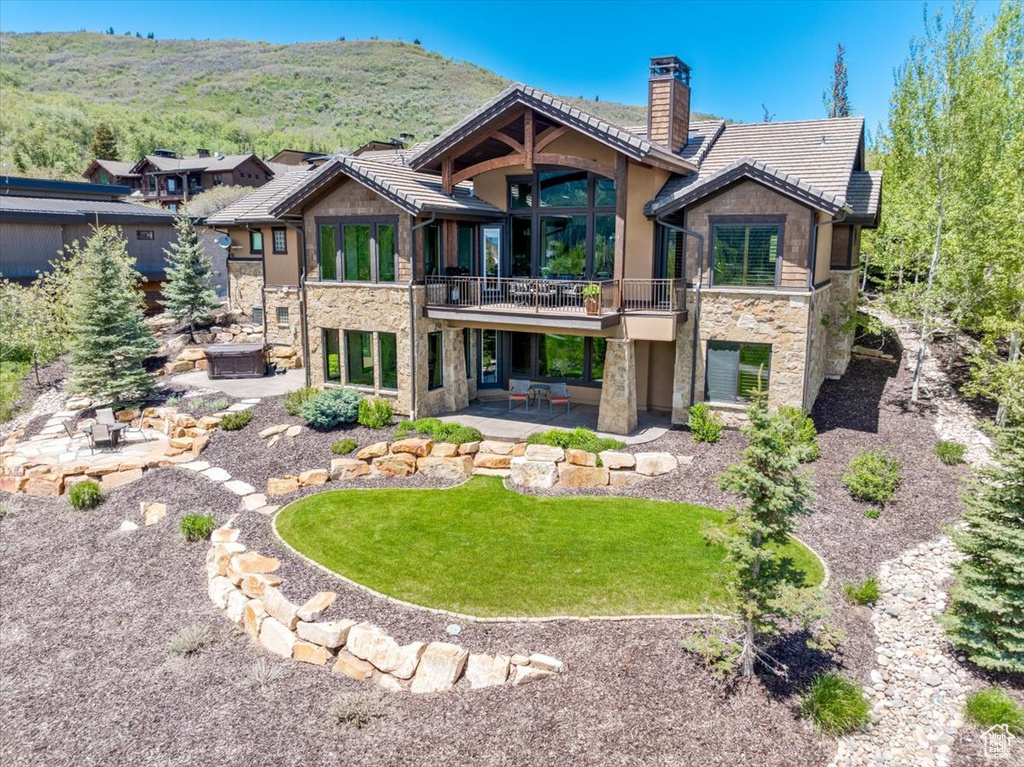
521	293
518	391
558	394
105	416
102	435
69	426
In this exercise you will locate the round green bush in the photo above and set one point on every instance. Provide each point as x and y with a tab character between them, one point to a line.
85	495
332	408
873	476
705	425
343	446
197	527
237	420
835	705
987	708
805	441
950	453
376	413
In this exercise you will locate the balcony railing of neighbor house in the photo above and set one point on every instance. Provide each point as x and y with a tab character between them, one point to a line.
546	296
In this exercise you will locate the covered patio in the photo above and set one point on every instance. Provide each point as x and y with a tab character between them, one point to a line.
493	418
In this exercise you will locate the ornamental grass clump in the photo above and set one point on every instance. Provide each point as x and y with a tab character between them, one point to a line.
376	413
197	527
85	495
236	421
873	476
331	408
863	593
294	400
987	708
190	640
950	453
704	424
835	705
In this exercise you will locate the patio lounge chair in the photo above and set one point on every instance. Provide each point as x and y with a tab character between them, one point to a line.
101	436
518	391
558	394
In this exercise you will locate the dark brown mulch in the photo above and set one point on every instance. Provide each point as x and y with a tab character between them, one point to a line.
87	613
968	747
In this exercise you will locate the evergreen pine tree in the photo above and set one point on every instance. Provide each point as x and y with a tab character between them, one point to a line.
110	338
104	143
985	619
837	103
776	492
187	294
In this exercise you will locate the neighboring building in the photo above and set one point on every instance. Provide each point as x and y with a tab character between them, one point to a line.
39	218
169	180
720	256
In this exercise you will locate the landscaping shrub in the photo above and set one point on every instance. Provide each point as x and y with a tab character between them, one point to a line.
172	401
376	413
873	476
990	707
197	527
577	439
705	425
235	421
294	400
863	593
331	408
439	431
835	705
262	672
190	640
348	709
85	495
343	446
806	433
871	513
950	453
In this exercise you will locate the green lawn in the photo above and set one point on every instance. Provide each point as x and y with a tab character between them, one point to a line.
484	550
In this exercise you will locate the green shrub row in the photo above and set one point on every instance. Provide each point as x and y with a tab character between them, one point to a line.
987	708
577	439
439	431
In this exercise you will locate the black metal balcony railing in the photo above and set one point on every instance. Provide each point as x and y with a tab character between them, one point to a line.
556	295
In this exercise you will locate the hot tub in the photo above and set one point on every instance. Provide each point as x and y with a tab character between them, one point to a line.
236	360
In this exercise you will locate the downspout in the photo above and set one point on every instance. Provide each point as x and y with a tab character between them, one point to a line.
263	286
412	312
696	305
303	319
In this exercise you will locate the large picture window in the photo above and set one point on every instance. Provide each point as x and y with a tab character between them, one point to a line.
557	357
357	250
359	357
734	370
563	225
746	254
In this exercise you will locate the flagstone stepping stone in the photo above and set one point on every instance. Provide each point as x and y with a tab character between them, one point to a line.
268	510
216	474
128	527
238	487
196	465
270	431
254	501
238	407
293	431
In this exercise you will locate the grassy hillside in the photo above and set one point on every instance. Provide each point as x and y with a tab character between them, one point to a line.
228	95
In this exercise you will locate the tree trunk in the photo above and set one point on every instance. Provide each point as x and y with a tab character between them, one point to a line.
749	654
35	365
954	352
926	315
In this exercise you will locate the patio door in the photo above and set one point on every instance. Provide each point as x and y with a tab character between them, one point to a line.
489	354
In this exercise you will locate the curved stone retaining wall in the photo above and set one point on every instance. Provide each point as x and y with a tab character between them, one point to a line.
245	585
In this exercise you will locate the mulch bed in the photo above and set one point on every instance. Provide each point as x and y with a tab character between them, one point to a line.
103	605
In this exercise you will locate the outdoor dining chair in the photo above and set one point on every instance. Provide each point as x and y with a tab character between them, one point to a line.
105	416
69	427
518	391
558	394
101	435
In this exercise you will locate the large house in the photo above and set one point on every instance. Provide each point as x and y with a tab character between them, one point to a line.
170	180
647	267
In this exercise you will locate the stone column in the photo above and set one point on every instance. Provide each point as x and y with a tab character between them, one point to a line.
617	412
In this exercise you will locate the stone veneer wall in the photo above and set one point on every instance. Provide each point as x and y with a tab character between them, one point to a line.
243	584
289	335
779	319
617	411
845	290
817	329
245	286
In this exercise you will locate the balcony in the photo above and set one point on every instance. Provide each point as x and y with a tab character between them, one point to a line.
552	302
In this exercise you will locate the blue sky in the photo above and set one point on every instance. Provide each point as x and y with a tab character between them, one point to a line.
742	54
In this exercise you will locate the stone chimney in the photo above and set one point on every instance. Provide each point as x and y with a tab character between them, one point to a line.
668	102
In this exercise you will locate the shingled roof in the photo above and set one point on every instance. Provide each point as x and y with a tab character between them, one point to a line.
414	192
211	164
818	155
864	195
63	210
618	138
255	207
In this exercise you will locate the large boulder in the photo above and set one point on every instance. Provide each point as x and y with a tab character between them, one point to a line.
526	674
248	563
571	475
348	468
487	670
444	450
417	446
370	643
308	652
398	465
351	666
330	635
492	461
376	450
255	586
545	453
252	618
445	468
537	474
280	607
316	606
440	667
612	459
498	448
653	464
580	457
624	478
276	637
314	477
469	448
282	485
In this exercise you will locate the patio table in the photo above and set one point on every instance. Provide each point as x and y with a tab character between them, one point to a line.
115	430
539	390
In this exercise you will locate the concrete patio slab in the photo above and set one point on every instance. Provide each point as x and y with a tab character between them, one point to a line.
496	421
249	388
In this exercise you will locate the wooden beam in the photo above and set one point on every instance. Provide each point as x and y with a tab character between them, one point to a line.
621	176
528	139
547	137
447	165
545	158
507	140
473	140
486	165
